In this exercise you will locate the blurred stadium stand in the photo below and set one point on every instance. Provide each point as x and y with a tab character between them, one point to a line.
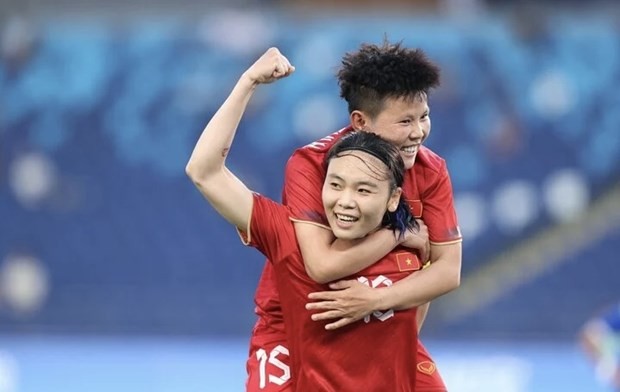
101	231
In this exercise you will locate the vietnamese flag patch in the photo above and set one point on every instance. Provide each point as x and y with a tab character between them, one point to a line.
407	261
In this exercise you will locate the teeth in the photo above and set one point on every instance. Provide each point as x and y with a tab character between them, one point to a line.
410	149
346	218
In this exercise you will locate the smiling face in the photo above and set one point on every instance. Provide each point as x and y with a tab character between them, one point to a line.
356	194
404	122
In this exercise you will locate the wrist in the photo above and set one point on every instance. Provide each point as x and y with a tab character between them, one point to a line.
382	299
394	236
248	81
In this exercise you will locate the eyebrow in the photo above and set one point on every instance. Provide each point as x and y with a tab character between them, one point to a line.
359	183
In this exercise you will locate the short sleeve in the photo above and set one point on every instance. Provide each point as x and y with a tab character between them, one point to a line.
439	213
270	229
303	184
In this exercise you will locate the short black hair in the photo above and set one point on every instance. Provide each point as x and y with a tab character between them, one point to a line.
373	73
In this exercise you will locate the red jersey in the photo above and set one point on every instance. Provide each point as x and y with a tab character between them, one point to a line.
428	180
427	188
374	354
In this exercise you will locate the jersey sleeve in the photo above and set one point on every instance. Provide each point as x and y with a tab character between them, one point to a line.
270	229
303	185
439	213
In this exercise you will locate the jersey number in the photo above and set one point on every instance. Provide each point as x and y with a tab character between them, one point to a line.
376	282
262	357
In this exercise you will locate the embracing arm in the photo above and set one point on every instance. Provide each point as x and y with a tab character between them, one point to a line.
443	276
350	300
327	259
206	167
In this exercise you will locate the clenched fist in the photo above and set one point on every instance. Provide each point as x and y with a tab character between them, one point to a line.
271	66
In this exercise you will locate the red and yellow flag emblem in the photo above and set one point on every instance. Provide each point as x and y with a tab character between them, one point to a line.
407	261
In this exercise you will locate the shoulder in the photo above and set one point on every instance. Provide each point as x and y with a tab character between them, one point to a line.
430	172
429	161
270	230
322	145
312	155
266	210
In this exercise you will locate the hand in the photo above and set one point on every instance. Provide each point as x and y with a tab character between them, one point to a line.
418	239
271	66
350	301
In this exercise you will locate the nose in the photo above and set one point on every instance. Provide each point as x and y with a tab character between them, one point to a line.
417	132
346	200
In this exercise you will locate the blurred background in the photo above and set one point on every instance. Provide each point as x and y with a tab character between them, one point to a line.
116	276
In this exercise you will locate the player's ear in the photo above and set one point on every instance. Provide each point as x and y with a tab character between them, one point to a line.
394	199
359	120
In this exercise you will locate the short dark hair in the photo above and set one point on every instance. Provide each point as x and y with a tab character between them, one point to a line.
373	73
370	143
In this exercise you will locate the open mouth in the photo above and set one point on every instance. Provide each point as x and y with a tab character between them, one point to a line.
346	218
410	149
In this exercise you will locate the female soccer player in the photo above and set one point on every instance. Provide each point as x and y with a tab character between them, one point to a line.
361	194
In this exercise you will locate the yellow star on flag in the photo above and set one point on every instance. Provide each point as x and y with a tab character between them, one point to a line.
408	262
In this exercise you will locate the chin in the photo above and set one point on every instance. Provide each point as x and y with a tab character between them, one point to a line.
409	163
343	235
346	235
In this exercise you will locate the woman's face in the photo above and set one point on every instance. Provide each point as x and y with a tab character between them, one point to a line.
356	194
404	122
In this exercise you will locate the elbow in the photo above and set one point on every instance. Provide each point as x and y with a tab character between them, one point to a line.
319	275
191	172
319	278
197	177
456	280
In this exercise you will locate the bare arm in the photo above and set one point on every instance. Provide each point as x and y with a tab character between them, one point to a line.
443	276
351	301
327	259
206	167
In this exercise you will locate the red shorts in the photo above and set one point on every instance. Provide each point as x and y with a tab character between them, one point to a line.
268	365
428	378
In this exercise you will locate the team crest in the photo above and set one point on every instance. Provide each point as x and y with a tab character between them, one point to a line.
427	367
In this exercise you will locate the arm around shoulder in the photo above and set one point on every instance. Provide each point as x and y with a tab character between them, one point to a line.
327	260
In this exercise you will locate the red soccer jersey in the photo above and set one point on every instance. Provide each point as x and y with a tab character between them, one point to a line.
374	354
427	187
428	181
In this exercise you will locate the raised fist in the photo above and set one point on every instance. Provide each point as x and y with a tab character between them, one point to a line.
271	66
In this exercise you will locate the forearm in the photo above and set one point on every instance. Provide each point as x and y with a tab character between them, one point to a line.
212	147
349	259
330	260
421	287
